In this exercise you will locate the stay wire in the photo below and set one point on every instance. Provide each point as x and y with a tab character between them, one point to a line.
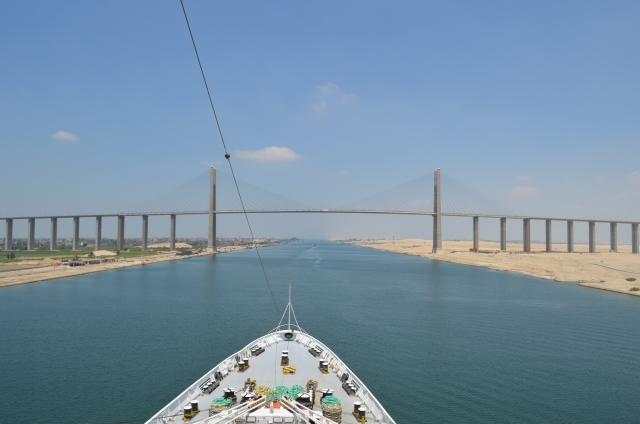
228	156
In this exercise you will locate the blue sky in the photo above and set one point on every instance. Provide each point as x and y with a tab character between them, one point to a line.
535	105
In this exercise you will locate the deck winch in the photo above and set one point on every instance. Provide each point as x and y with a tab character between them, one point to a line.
305	400
247	397
325	393
324	367
230	394
249	385
312	386
284	361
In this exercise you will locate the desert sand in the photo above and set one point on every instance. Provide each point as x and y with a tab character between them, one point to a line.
601	270
102	253
179	245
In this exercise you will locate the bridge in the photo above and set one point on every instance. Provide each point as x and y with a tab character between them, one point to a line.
436	196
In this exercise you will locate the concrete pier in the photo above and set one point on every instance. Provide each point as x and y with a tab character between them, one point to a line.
476	233
526	235
120	240
76	233
172	235
634	238
53	241
437	210
592	237
613	231
8	234
98	242
31	233
145	231
548	234
570	236
212	246
503	234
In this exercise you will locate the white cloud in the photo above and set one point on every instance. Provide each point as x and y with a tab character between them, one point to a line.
331	95
525	191
634	177
577	208
210	163
348	98
524	178
329	88
269	154
319	107
65	136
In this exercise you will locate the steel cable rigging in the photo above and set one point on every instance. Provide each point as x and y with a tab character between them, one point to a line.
228	156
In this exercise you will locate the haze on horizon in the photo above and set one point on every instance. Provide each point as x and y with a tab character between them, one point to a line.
534	105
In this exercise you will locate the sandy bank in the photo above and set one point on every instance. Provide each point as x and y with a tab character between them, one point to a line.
179	245
602	270
31	271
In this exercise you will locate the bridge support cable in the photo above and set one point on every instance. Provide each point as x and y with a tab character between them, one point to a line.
415	196
418	196
459	198
195	195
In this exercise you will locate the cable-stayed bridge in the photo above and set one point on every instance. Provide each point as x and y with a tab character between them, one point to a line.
215	193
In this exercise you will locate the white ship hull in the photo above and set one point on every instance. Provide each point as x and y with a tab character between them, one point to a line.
267	369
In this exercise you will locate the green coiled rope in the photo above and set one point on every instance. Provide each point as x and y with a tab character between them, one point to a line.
295	390
331	400
278	393
221	401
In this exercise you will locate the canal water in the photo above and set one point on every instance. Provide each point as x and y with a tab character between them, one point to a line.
435	342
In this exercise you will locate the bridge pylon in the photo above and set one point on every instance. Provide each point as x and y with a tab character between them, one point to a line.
437	210
211	243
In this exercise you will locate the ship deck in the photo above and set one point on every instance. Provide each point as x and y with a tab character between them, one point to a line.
267	371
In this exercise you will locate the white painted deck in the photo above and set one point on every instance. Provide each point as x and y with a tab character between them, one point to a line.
266	370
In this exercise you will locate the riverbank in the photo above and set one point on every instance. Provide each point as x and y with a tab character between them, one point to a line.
32	271
604	270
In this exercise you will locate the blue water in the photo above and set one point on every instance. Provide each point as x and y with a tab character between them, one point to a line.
435	342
